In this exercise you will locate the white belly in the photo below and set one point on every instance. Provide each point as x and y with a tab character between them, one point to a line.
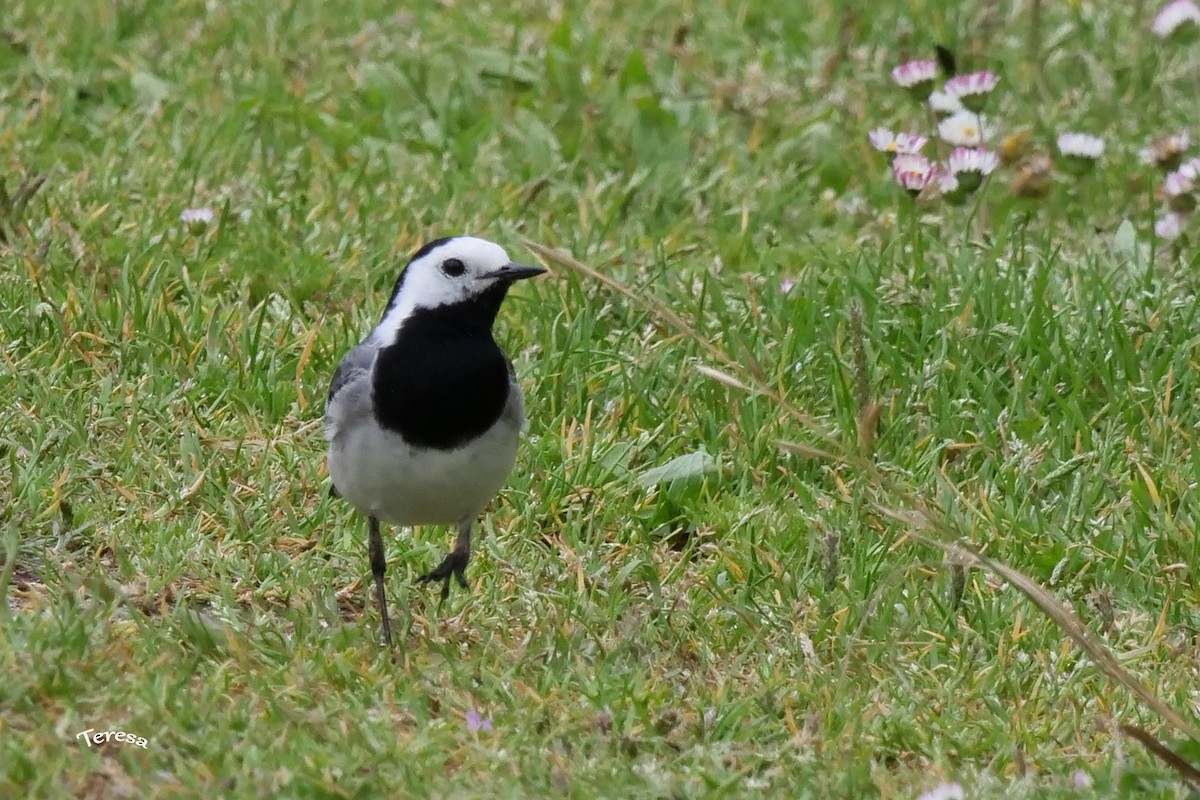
386	478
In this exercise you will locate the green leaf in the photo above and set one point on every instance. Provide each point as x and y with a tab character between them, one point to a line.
634	73
688	469
151	90
503	66
1125	239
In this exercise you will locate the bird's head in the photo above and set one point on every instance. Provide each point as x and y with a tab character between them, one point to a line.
458	270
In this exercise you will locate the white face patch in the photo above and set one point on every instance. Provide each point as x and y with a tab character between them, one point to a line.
430	281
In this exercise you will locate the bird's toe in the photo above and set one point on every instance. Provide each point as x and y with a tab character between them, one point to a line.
453	566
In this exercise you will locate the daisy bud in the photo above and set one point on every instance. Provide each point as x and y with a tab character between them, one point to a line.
196	220
1179	19
970	165
949	187
944	104
1167	152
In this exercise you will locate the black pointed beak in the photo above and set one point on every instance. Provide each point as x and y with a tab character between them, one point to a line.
516	272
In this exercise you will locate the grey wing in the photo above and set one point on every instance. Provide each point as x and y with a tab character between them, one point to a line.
514	409
350	388
357	362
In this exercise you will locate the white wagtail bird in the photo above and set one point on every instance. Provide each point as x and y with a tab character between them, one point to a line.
424	415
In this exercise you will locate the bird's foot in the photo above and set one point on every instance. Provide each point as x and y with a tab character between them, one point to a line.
454	565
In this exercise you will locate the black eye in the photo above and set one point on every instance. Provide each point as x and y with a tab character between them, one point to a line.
452	267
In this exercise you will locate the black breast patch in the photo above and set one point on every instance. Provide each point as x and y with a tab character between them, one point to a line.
444	381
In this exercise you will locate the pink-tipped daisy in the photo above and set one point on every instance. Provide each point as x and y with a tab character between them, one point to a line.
971	164
944	104
1169	226
965	129
913	172
916	76
972	90
885	141
1179	188
949	187
1166	152
1182	16
1080	151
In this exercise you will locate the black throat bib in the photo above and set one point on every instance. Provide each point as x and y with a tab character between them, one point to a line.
444	381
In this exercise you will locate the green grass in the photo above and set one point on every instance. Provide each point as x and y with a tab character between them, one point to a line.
177	571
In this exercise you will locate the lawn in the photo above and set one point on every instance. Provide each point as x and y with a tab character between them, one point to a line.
676	595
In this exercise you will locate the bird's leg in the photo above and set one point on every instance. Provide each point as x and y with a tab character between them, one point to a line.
378	568
454	565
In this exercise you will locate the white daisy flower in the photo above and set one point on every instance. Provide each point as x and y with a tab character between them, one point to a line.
1175	15
1081	144
971	164
965	129
885	141
973	88
944	104
913	172
197	219
1080	151
916	76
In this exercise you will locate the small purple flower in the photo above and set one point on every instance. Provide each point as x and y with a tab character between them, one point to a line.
1177	183
1169	227
1081	780
786	285
476	723
1178	187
